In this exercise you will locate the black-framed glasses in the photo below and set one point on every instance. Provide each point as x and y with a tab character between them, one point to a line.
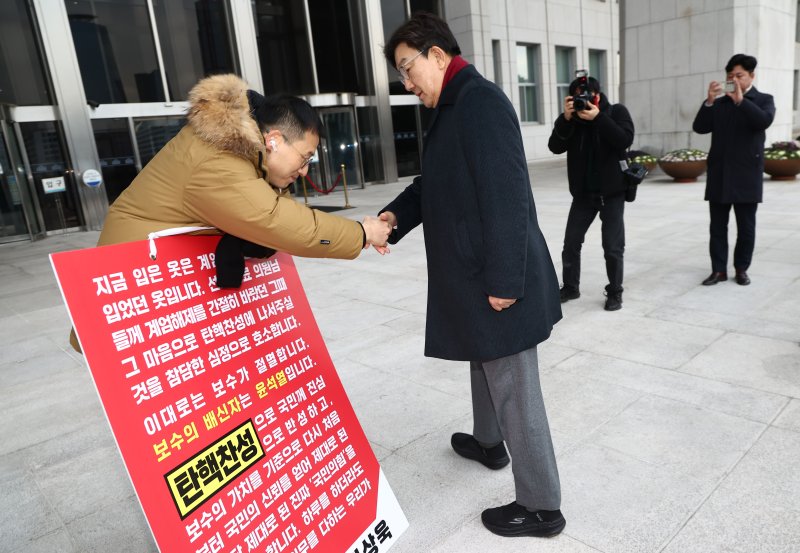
403	69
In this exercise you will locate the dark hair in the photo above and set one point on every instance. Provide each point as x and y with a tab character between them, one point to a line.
289	114
421	32
592	85
748	63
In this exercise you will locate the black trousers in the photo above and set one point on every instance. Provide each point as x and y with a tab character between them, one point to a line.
745	235
581	214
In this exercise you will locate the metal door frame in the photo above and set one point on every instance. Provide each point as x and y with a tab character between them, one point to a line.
12	142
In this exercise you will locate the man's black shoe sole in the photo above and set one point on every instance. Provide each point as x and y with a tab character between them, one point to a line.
546	532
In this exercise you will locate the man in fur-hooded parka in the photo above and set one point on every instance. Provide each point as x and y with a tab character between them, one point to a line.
214	173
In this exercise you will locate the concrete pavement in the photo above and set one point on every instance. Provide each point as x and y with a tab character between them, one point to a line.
676	420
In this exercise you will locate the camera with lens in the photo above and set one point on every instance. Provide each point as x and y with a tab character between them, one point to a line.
633	173
582	97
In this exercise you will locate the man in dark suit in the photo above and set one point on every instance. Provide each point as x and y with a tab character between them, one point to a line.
492	287
736	116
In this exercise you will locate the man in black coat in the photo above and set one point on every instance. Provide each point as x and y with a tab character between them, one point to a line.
595	138
736	117
492	287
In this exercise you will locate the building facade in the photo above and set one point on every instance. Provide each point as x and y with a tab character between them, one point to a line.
90	90
673	49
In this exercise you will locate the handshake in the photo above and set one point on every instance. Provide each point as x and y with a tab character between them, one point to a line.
378	229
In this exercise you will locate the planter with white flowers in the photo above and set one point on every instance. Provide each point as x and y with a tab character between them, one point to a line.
782	160
684	165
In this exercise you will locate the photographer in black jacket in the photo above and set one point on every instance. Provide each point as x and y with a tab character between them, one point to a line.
595	137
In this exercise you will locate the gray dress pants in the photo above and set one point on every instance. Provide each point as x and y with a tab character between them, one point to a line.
507	405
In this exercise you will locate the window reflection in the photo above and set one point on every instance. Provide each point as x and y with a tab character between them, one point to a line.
431	6
565	71
369	140
153	134
597	65
116	51
12	213
22	73
195	42
117	160
393	13
528	79
337	46
283	46
406	144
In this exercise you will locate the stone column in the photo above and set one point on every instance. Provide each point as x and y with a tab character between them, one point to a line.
471	26
672	49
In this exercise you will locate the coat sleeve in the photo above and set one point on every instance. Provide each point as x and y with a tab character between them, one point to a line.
704	120
559	138
615	127
407	208
226	193
759	112
492	147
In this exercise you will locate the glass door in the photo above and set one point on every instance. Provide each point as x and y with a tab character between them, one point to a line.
18	219
340	146
53	177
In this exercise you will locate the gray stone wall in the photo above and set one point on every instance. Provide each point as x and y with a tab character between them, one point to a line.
672	49
580	24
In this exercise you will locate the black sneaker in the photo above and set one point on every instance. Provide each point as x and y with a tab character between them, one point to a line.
613	301
515	520
569	293
468	447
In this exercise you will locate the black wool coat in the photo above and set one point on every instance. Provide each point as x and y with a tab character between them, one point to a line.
594	148
482	236
736	159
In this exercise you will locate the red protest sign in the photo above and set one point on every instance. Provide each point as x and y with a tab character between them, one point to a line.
231	420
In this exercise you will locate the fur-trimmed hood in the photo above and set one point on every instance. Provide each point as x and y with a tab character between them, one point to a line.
219	114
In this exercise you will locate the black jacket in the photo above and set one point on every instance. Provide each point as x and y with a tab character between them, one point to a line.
594	149
736	159
481	233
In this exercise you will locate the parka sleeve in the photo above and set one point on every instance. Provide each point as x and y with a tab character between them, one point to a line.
226	193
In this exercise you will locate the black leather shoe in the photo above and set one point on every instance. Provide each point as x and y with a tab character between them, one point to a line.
569	293
714	278
613	301
468	447
742	278
515	520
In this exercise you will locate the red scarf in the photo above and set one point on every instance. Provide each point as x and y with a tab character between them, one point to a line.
456	64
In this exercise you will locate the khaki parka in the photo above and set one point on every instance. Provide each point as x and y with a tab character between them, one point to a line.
213	174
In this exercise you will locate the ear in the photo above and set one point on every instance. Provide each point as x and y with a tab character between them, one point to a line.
271	139
439	56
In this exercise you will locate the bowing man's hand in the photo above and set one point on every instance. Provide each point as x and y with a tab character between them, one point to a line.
390	219
377	231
